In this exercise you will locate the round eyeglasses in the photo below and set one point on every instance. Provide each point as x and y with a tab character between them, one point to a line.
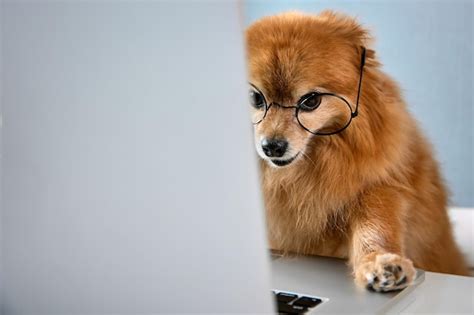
320	113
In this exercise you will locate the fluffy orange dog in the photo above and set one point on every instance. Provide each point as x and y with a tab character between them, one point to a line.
344	174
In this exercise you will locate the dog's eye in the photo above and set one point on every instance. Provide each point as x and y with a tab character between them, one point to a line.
310	101
256	99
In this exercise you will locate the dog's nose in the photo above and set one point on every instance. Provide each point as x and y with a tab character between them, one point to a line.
274	147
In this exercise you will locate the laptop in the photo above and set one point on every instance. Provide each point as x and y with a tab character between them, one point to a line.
129	179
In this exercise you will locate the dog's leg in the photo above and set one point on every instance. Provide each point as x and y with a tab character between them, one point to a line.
377	243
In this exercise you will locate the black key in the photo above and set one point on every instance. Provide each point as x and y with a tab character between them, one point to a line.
307	301
285	297
284	308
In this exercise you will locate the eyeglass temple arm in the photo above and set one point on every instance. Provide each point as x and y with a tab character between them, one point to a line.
362	63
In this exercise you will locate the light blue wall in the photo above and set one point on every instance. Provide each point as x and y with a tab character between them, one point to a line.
427	47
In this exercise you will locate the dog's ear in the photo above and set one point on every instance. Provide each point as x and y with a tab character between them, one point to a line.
348	29
345	27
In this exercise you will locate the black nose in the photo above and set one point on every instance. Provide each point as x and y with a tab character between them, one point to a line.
274	147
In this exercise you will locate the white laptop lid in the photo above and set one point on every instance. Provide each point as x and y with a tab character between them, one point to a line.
128	176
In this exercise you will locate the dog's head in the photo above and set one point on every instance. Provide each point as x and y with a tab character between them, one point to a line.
304	74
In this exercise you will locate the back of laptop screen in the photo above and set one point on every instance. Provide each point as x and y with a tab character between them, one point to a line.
128	173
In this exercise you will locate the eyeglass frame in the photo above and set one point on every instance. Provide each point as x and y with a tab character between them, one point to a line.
311	94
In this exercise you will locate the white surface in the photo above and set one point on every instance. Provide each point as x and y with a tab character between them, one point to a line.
463	227
441	294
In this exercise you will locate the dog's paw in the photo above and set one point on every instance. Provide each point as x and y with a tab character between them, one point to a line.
385	272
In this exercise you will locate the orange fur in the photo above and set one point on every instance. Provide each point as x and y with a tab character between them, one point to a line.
371	190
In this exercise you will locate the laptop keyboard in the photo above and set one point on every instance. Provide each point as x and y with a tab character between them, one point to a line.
291	303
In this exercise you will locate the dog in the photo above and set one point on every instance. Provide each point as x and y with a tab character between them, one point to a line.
345	170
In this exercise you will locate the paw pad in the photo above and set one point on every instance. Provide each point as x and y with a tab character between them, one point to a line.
386	272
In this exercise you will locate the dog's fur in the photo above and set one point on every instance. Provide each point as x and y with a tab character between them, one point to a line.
373	193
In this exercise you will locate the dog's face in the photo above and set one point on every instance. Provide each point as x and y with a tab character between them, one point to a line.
293	59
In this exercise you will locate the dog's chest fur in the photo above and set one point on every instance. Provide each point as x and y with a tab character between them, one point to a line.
303	219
